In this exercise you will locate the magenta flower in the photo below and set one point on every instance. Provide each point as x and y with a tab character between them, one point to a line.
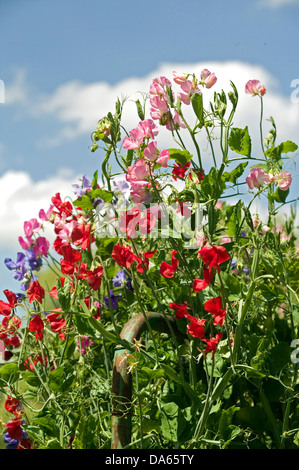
257	178
46	215
254	87
41	247
31	226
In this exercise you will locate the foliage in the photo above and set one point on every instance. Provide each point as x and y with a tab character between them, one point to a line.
210	287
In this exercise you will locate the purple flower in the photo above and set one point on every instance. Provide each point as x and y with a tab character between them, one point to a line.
120	185
114	301
18	268
121	280
34	262
234	262
79	190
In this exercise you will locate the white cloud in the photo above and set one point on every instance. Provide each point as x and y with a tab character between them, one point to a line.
276	3
22	199
78	106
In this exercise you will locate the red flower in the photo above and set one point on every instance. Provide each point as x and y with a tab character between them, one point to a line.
6	308
25	444
180	170
11	405
57	323
14	428
81	235
181	309
123	256
71	256
37	359
214	306
37	325
65	207
168	270
212	344
200	284
93	277
144	263
196	327
35	292
212	256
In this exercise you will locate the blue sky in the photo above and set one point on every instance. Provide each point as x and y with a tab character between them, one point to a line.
54	55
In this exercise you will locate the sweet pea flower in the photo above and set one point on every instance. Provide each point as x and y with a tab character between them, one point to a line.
254	87
189	88
46	216
159	109
208	79
163	158
283	180
79	190
257	178
176	122
159	88
145	130
179	78
30	227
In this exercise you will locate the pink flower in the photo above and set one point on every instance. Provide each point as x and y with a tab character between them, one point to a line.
46	215
257	178
176	122
31	226
208	79
189	89
158	88
159	109
163	158
135	140
26	244
140	191
254	87
149	128
150	152
283	180
138	172
41	247
179	78
66	232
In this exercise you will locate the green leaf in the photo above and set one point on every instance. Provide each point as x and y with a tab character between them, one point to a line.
9	373
62	378
30	378
233	175
140	110
180	156
197	105
107	196
64	293
239	141
169	421
280	195
174	376
288	146
84	202
85	434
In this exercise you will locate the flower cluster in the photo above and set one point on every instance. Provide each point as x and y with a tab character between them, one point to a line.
15	437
